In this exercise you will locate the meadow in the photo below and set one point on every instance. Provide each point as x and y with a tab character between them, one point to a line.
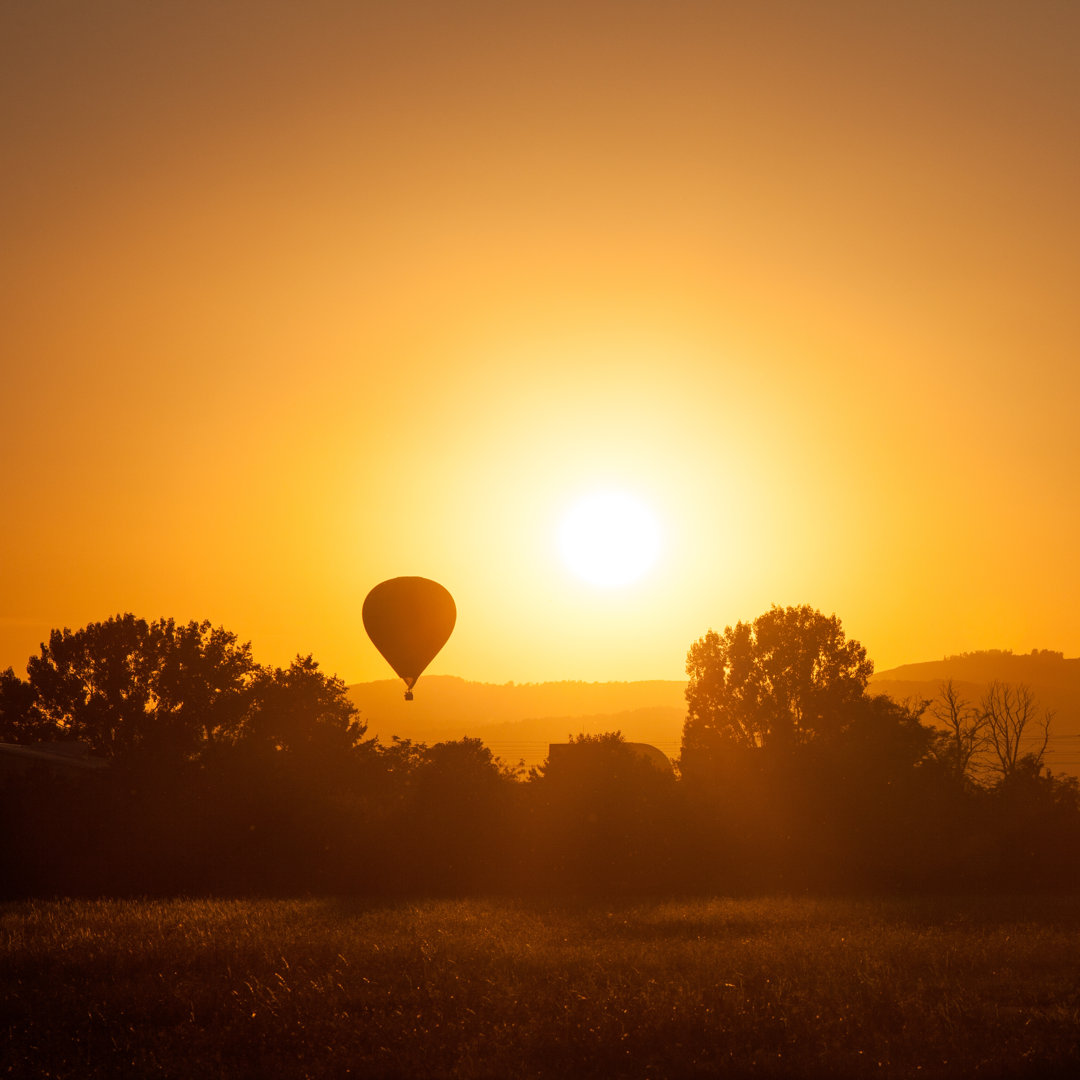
504	988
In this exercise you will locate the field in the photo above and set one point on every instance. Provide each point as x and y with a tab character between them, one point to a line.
334	988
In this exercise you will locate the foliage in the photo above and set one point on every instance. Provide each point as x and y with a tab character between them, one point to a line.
179	692
124	686
784	679
20	721
299	709
884	741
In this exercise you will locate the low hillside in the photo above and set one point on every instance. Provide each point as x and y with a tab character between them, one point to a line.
519	720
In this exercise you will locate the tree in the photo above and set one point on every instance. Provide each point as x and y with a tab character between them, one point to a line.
964	734
461	770
1008	712
125	685
20	720
885	742
302	710
787	678
200	680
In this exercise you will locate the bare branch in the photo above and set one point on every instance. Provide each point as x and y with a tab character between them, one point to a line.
964	730
1007	712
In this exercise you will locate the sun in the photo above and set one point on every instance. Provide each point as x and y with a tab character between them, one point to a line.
609	538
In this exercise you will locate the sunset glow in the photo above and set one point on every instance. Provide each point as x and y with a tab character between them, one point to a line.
301	298
539	539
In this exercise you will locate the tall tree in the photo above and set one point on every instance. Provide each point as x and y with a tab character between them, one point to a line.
784	679
125	685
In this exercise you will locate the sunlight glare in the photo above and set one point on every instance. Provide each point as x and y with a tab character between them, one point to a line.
609	538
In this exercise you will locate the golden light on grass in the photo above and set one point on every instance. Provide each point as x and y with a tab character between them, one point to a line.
697	987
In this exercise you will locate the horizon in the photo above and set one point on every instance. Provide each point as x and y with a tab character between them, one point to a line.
437	672
1039	653
519	720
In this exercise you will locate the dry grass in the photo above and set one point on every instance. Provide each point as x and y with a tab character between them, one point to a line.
325	988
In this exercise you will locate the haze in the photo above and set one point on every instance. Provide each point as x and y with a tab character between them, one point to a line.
296	299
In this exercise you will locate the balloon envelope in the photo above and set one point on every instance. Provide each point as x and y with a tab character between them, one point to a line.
409	620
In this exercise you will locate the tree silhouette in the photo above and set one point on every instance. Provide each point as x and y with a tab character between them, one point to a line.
20	720
301	710
782	680
225	775
1008	713
964	734
125	685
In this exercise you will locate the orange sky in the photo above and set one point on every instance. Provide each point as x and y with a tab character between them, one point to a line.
299	297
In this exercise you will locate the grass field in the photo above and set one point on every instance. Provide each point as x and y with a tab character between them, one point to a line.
329	988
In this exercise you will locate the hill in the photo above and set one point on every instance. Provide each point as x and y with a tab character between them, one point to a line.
519	720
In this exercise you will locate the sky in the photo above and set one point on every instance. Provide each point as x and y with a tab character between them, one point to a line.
296	298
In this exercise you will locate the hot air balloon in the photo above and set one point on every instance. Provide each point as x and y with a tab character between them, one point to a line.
409	620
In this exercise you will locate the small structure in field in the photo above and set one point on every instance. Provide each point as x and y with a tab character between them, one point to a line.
646	751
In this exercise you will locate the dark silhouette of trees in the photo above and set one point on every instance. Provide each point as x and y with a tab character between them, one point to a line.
91	684
222	773
876	793
883	740
852	808
178	692
20	720
785	678
227	776
200	678
793	774
295	785
300	710
124	686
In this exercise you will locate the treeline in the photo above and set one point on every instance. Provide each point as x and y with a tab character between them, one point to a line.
225	776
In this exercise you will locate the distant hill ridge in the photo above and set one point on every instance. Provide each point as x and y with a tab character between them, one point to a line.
518	720
452	700
1039	666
